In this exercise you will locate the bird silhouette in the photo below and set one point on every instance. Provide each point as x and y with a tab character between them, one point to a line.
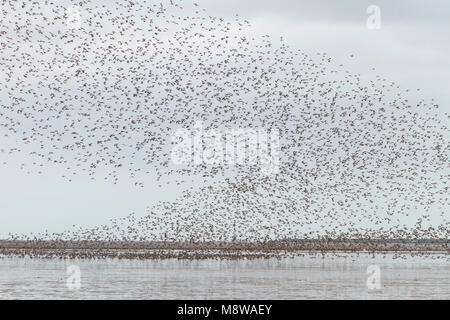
357	153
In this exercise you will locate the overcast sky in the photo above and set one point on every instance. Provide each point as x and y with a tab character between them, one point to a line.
411	48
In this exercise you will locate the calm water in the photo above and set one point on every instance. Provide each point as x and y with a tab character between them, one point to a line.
302	277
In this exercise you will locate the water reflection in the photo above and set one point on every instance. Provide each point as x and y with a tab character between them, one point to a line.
306	276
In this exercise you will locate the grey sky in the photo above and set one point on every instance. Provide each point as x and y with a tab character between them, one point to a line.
411	48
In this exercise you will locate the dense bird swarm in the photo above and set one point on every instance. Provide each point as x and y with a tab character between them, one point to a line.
358	153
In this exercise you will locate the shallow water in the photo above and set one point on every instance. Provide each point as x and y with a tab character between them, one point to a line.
308	276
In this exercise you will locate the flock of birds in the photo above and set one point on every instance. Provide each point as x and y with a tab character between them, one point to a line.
360	157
